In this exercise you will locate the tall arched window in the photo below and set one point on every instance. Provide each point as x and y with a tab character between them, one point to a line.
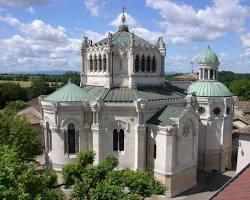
118	140
100	63
137	63
104	62
143	63
153	64
95	63
148	64
90	63
71	139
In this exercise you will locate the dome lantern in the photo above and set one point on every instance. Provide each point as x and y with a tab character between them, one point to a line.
208	65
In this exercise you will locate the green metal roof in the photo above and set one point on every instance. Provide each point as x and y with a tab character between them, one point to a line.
123	38
208	56
68	93
162	117
129	95
208	89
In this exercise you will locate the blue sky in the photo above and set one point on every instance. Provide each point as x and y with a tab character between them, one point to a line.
47	34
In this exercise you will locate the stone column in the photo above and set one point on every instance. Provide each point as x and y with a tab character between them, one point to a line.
208	74
140	136
95	106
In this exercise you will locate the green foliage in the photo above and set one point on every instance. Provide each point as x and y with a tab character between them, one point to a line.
72	172
11	92
241	88
39	86
20	180
102	182
17	133
15	106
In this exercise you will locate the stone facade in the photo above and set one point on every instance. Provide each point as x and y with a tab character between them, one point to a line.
124	108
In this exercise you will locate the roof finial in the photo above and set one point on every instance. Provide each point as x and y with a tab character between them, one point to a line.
123	26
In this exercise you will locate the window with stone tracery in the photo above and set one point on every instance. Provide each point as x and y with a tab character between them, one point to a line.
71	139
118	140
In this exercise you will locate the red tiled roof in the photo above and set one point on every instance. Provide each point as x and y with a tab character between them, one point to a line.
237	188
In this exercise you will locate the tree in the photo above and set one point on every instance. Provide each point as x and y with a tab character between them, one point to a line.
17	133
20	180
241	88
102	182
74	76
15	106
39	87
11	92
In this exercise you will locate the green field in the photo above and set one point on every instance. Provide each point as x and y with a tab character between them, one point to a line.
24	84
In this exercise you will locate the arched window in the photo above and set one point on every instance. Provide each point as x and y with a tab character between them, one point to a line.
148	64
153	64
137	63
71	139
121	140
118	140
100	63
143	63
48	137
104	63
115	140
95	63
90	63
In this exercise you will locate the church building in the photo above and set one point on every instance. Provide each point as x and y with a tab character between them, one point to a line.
123	107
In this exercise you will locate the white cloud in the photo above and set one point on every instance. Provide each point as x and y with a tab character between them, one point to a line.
131	21
95	6
94	36
30	10
24	2
40	47
182	23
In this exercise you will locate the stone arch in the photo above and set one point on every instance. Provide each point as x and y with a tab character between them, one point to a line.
66	122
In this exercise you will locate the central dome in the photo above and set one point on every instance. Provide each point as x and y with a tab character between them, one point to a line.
208	89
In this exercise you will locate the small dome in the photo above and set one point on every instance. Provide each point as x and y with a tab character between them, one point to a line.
208	57
68	93
208	89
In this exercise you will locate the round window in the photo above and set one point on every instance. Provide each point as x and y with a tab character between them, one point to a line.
201	110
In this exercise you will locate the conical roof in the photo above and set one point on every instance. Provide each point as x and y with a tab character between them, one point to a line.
208	57
68	93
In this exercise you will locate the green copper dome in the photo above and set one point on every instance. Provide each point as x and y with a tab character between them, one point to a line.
208	89
208	57
68	93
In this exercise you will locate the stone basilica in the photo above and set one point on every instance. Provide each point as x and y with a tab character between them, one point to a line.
124	107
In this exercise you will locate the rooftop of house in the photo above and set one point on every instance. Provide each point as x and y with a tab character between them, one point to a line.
244	105
187	77
236	188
